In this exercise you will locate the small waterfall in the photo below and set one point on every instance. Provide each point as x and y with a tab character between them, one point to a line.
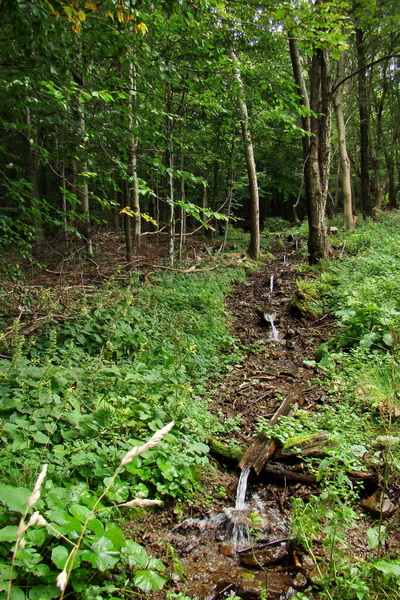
241	489
274	335
240	529
271	284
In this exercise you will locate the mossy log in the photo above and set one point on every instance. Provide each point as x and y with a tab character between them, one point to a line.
219	449
263	448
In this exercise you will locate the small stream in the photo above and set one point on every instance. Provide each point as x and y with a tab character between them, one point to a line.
245	548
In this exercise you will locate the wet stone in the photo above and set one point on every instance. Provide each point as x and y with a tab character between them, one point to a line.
262	557
226	549
378	506
252	586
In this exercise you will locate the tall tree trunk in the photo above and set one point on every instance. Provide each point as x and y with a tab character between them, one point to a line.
363	108
84	188
254	248
182	230
127	223
349	222
33	174
229	190
170	179
133	149
316	145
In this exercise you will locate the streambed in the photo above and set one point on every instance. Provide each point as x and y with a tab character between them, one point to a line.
237	540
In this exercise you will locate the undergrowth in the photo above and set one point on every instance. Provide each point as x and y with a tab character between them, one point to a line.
359	367
78	398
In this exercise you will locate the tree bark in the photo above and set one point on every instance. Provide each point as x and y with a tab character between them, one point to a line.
316	144
133	149
254	248
363	108
84	188
349	222
34	160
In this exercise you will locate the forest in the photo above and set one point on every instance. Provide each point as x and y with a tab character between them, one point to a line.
199	299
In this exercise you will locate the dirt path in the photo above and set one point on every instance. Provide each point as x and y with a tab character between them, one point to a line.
210	568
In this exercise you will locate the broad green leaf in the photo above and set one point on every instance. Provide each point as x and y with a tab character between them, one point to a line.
41	438
105	555
388	567
59	556
8	533
16	594
81	512
376	536
43	592
16	498
149	581
115	535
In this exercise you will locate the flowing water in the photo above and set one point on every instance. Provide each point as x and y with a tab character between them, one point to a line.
274	335
271	284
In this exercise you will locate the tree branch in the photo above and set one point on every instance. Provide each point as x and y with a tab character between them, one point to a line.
363	68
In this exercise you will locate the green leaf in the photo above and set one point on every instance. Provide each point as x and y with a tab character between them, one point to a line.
149	581
8	533
59	556
81	512
16	498
115	535
105	555
376	536
388	567
16	594
43	592
41	438
388	339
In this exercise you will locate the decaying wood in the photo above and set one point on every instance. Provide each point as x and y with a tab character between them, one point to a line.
314	446
263	448
281	474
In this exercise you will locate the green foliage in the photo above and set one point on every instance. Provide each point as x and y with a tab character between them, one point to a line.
79	397
360	366
72	533
275	225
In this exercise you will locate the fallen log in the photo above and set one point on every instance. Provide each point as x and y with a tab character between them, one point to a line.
314	445
263	448
283	474
219	449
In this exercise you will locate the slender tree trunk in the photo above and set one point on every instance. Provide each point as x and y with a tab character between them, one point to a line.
316	145
133	149
363	108
127	223
63	203
349	222
229	191
254	248
34	160
182	230
84	188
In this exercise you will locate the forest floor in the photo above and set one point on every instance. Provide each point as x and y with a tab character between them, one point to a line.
209	567
193	538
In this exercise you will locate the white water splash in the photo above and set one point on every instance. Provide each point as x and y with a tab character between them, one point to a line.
271	284
241	489
274	335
